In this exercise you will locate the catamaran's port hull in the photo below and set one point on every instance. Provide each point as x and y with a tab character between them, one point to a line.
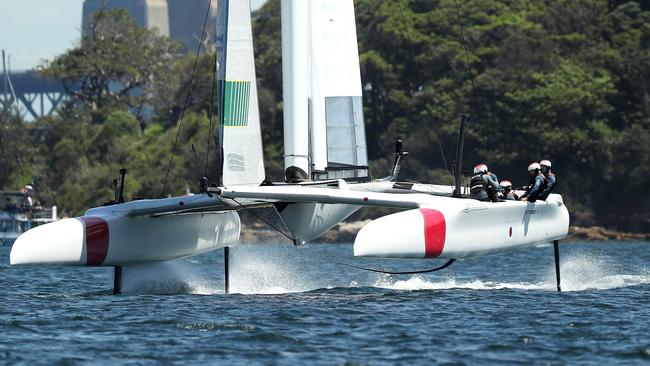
115	240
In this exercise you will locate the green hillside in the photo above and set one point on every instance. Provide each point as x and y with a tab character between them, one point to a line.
567	81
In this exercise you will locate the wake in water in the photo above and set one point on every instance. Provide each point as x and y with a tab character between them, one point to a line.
579	272
276	270
253	270
166	278
586	271
280	269
420	283
266	275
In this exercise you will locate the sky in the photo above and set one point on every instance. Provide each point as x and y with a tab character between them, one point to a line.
35	30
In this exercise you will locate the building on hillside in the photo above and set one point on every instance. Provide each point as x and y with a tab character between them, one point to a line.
146	13
186	18
179	19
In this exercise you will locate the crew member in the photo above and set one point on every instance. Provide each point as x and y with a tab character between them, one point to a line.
27	202
508	193
484	185
549	179
536	183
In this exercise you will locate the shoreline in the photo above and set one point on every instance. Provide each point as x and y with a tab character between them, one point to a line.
599	233
345	232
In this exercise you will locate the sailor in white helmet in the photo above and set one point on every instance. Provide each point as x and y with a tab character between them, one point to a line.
508	193
536	182
484	185
27	202
549	179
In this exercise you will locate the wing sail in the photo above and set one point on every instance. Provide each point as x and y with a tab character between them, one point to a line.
239	121
324	133
337	123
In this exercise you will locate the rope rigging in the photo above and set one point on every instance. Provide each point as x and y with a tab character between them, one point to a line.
470	73
417	68
187	98
475	104
261	218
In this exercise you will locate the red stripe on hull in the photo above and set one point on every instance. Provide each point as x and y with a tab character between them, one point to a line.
435	230
96	240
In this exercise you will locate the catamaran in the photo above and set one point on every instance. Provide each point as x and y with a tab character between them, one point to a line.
326	170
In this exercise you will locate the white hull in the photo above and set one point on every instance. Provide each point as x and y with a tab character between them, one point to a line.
447	227
108	236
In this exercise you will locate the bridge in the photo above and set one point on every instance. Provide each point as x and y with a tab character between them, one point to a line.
33	94
180	19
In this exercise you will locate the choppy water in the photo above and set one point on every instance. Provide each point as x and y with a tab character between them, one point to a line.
294	306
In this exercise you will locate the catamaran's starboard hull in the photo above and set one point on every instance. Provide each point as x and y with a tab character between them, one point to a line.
458	228
113	240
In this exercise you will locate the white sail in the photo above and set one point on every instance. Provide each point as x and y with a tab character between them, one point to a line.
323	111
239	121
336	93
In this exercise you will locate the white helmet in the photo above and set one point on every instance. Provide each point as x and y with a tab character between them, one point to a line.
533	166
480	168
545	163
29	187
506	184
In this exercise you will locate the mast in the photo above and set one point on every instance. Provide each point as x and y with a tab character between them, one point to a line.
464	118
317	125
295	70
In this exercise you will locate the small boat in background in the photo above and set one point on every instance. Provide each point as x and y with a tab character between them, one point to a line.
17	215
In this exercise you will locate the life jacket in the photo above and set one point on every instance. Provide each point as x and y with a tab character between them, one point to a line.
477	184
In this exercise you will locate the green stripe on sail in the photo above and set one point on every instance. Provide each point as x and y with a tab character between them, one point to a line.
236	96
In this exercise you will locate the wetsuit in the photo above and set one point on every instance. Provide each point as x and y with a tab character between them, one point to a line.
535	188
549	184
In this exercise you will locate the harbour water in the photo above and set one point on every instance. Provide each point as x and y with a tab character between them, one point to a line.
294	305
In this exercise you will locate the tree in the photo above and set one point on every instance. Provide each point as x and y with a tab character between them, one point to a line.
115	65
574	89
16	150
